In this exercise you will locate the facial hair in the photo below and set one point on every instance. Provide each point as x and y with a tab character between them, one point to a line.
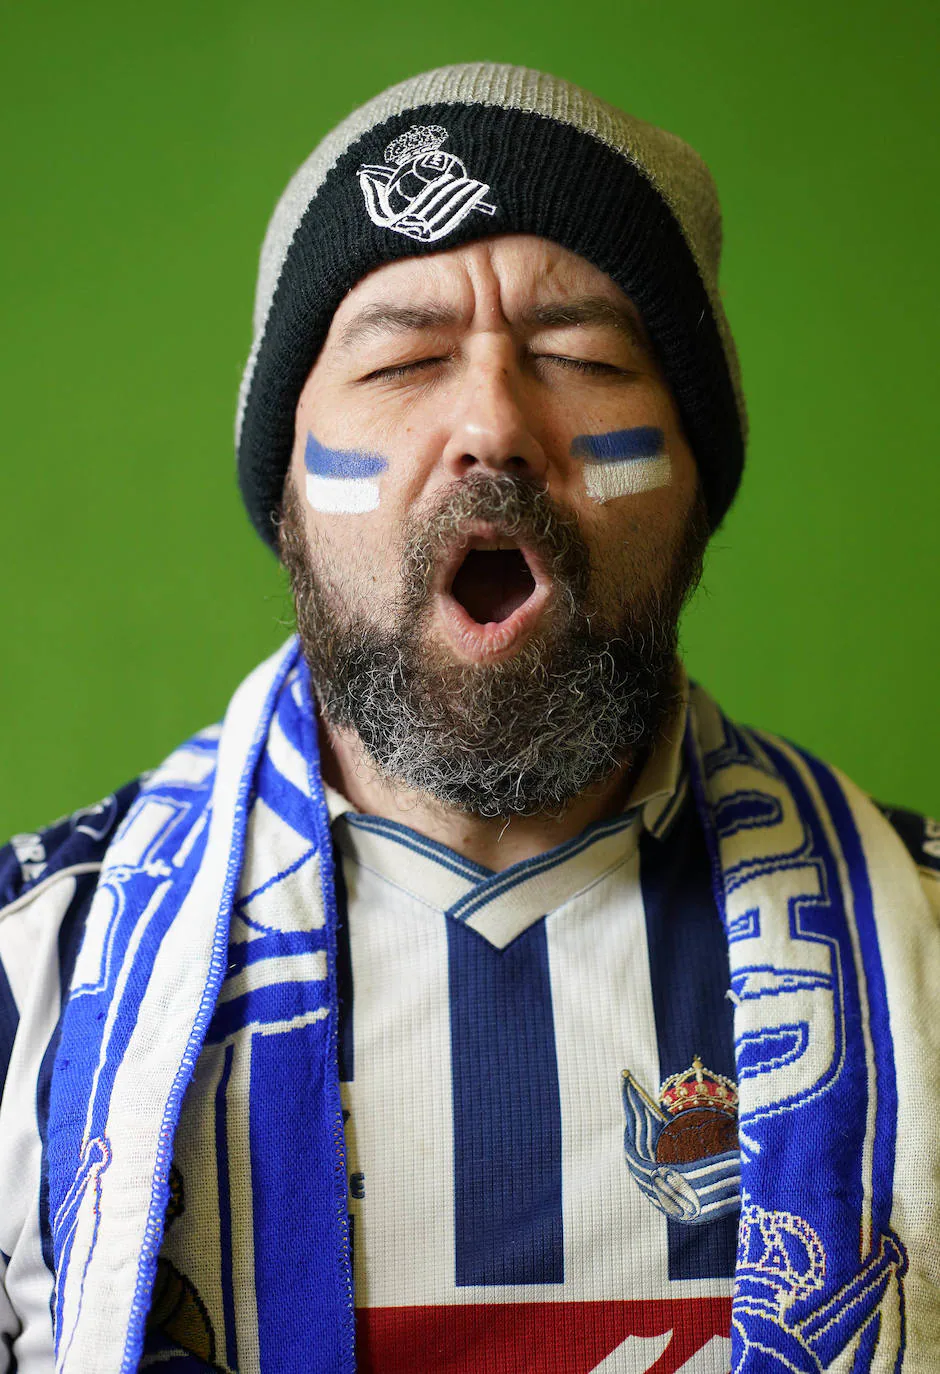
519	737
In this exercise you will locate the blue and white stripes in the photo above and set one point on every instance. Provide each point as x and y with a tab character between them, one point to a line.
341	480
793	887
623	462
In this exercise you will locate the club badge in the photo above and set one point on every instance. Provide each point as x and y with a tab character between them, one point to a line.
683	1149
423	193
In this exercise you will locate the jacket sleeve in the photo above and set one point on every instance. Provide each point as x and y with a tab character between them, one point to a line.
47	882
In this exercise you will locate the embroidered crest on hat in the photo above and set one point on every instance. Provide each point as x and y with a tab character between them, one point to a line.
424	193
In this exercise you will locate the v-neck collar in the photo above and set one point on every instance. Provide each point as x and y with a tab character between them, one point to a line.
500	906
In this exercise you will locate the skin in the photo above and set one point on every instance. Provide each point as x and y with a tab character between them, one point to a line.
489	388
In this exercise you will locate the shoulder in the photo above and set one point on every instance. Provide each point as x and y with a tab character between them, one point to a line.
75	843
729	750
919	834
919	838
49	878
47	881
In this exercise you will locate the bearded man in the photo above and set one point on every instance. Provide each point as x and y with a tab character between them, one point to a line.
477	996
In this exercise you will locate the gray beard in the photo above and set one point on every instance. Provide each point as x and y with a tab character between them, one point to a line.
516	738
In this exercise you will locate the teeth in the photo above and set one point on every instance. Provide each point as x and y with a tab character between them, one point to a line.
491	545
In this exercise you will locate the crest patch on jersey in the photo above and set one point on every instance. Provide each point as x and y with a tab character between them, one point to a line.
683	1149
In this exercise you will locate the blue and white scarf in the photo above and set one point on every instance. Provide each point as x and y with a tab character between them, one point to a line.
824	919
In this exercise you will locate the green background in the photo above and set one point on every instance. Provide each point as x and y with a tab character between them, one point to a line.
143	149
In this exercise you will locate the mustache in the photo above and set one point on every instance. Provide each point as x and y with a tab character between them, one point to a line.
518	509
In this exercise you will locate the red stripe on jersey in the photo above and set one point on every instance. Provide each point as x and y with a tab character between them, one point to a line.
538	1337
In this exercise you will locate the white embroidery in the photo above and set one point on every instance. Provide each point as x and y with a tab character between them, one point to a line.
424	193
780	1252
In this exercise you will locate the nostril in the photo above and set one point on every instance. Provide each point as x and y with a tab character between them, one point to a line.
513	462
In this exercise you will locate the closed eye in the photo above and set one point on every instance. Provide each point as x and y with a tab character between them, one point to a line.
583	365
403	369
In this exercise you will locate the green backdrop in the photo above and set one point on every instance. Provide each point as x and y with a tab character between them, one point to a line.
144	147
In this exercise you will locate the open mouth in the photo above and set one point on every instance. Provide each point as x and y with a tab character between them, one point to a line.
492	593
492	582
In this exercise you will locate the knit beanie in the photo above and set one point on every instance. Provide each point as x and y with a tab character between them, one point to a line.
469	151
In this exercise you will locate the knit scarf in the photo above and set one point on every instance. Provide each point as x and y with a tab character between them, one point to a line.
174	965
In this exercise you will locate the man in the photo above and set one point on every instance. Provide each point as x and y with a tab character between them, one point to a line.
477	995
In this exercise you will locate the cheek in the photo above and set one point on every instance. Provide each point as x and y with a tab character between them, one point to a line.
349	525
339	480
623	462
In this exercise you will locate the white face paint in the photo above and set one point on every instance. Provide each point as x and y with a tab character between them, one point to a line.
341	480
623	462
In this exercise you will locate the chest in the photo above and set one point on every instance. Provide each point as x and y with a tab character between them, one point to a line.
484	1122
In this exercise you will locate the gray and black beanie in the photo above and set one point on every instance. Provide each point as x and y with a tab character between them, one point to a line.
467	151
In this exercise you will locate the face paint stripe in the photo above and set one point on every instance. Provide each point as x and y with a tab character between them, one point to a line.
340	481
340	464
607	481
342	495
620	445
623	462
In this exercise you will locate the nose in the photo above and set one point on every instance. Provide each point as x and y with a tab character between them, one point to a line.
490	429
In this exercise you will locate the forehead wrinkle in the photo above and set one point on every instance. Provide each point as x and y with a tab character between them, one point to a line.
381	318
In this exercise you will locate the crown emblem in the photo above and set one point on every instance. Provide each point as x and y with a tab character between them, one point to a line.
414	142
421	192
698	1087
778	1251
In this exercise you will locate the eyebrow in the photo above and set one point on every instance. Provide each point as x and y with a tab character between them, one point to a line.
394	319
382	318
587	310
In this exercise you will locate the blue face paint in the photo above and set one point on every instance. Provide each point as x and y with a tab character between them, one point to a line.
644	441
623	462
341	479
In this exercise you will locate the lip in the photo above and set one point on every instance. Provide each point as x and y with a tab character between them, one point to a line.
481	643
